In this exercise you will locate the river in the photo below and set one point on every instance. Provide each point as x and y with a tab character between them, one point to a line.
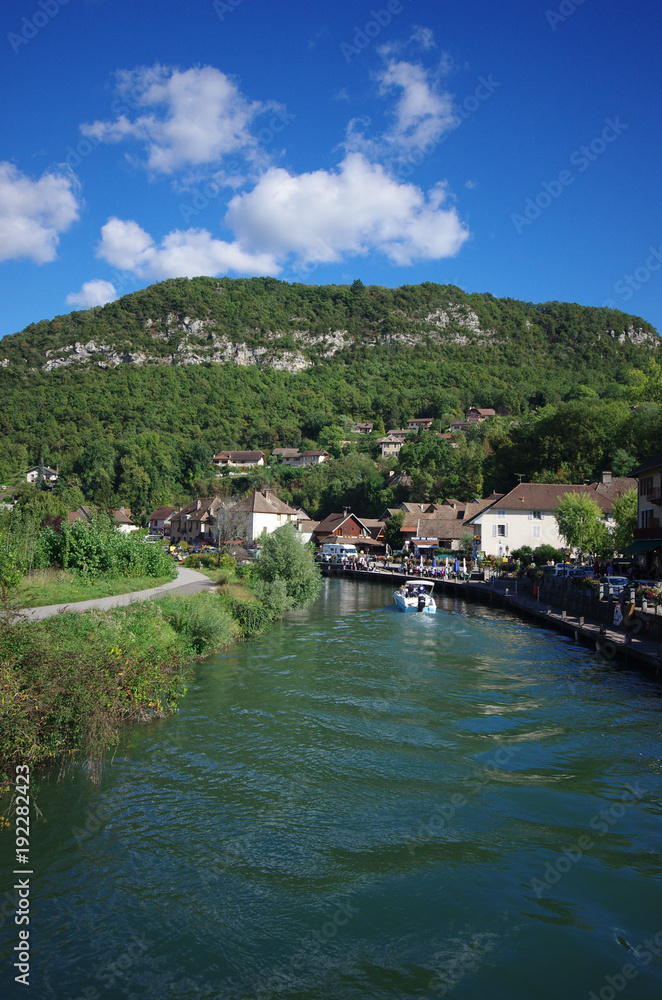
362	803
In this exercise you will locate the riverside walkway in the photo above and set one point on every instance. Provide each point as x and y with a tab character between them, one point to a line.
187	582
608	640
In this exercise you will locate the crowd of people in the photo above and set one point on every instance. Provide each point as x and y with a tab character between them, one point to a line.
434	569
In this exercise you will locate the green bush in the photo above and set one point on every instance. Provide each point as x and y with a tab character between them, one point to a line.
283	557
208	560
71	681
252	616
94	549
200	619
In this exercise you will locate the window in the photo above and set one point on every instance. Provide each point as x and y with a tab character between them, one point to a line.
500	530
536	531
501	514
646	486
646	518
536	515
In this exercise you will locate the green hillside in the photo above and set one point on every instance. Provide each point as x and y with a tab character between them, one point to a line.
149	387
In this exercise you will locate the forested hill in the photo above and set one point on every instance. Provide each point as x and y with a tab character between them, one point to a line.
291	327
203	363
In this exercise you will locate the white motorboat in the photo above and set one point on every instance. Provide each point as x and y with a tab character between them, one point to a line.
416	595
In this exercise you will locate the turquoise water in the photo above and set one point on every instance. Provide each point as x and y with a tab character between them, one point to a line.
363	803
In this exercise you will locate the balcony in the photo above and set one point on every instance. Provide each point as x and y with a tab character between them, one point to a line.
648	534
653	495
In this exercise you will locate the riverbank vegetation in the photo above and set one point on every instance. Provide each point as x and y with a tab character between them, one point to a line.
70	683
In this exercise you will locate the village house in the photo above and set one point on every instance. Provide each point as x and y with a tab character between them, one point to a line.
428	526
365	533
124	520
195	523
239	459
525	516
82	513
475	415
261	512
122	517
159	521
306	528
285	453
363	428
647	545
390	446
420	423
298	459
479	413
32	475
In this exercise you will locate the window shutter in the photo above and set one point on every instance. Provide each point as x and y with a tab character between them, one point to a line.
530	515
542	516
506	526
494	531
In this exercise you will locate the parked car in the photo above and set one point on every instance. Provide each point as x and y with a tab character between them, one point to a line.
581	572
617	583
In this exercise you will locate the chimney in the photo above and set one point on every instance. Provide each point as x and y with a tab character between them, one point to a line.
198	504
605	478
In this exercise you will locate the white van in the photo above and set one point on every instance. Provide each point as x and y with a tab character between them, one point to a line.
339	550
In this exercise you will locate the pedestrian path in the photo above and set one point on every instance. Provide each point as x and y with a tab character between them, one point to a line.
607	640
187	582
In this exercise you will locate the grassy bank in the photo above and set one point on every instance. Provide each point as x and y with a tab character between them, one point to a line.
61	586
69	684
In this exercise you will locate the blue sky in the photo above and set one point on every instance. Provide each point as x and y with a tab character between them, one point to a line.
511	148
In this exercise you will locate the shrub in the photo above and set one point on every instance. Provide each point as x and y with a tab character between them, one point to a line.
251	614
70	682
200	619
208	560
283	557
93	549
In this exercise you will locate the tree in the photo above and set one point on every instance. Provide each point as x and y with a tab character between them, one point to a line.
229	523
392	531
285	562
580	522
625	513
467	542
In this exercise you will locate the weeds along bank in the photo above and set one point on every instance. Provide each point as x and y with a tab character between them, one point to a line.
68	684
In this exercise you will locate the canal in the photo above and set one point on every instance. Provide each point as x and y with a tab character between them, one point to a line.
364	804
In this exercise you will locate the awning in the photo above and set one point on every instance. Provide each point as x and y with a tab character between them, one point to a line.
425	543
642	546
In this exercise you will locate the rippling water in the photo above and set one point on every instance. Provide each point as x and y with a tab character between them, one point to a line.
365	804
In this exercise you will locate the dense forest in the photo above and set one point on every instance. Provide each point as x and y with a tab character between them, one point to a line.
131	400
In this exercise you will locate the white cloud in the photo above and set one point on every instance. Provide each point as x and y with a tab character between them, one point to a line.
424	38
326	216
93	293
422	114
34	213
183	118
180	254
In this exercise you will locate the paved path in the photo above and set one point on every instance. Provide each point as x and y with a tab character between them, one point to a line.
187	582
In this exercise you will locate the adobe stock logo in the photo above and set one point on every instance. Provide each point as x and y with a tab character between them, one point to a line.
379	19
30	27
581	158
